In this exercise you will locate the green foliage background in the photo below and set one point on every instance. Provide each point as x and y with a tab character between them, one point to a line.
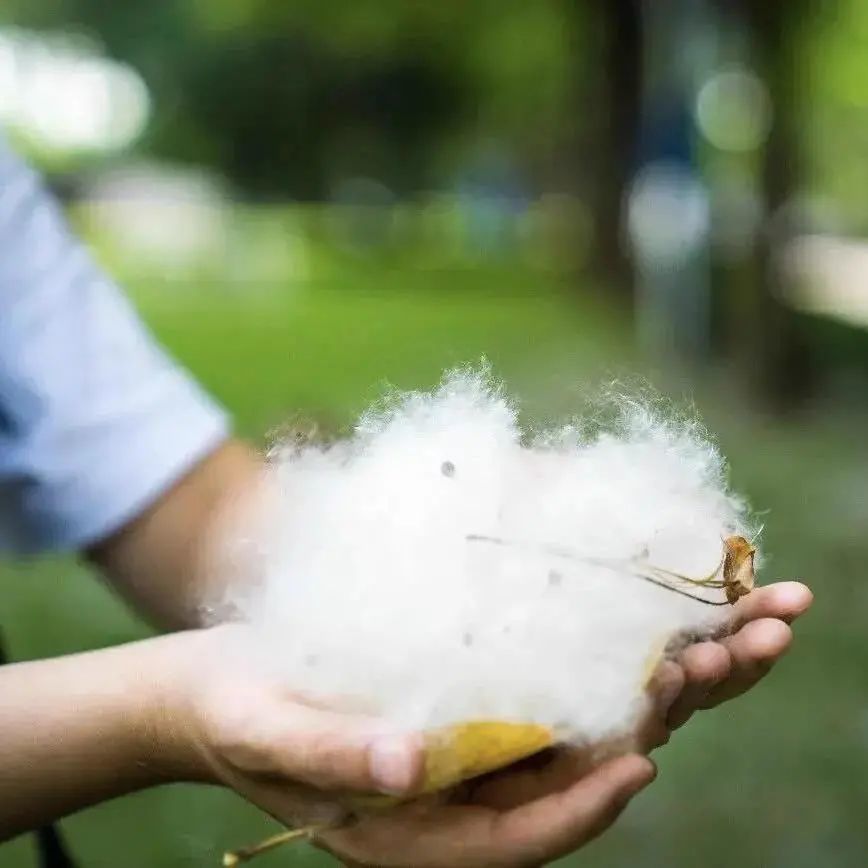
775	780
246	87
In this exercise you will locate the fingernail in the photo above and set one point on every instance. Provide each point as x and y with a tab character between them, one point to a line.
394	763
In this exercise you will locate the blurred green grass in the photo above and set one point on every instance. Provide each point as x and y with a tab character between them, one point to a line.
774	781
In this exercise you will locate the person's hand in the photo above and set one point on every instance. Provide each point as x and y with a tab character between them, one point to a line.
523	816
709	673
292	759
299	763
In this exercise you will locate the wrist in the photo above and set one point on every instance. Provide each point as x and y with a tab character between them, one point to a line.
169	727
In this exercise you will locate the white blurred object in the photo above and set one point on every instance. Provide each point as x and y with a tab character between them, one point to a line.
61	93
176	217
734	109
828	275
668	213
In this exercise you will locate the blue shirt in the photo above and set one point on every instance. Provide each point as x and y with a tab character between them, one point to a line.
95	420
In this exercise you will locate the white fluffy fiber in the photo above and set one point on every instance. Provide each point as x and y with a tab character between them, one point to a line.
375	597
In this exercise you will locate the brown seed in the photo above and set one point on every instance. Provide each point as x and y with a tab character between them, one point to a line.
738	567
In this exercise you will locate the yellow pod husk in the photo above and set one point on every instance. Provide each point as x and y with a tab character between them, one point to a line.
465	750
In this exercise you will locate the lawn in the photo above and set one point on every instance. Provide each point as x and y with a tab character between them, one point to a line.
777	780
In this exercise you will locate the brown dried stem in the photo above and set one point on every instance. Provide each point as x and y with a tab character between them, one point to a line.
245	854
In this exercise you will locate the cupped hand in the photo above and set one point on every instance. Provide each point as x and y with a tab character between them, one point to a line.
232	724
297	761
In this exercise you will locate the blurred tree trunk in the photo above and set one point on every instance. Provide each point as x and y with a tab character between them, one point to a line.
614	119
776	357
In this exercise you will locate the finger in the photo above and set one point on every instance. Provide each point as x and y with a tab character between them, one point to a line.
560	823
651	733
754	650
331	751
783	600
705	665
665	686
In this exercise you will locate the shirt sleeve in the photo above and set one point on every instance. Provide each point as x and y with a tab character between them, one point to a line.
95	420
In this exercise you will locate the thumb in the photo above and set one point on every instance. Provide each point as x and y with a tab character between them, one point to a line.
329	750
